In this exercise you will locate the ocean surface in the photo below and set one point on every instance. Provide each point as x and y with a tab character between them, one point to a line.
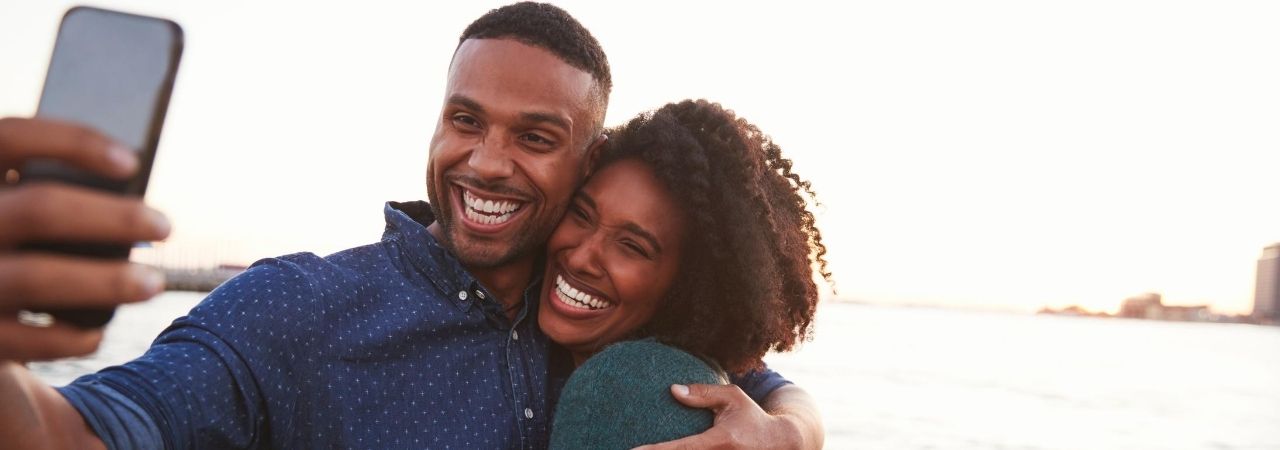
917	378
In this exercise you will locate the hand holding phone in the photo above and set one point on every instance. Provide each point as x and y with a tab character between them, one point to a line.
58	212
86	160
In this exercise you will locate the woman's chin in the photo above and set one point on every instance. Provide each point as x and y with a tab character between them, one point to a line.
581	340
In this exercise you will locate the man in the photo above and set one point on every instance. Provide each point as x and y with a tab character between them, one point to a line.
425	339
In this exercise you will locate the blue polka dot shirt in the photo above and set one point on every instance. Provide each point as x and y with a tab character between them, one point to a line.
389	345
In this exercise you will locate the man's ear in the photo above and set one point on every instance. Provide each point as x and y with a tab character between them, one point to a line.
593	153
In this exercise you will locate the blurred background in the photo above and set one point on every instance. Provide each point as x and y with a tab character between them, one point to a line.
977	162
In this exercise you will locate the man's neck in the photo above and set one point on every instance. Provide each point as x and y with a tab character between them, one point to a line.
507	282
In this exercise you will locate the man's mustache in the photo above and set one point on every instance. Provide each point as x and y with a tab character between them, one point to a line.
501	188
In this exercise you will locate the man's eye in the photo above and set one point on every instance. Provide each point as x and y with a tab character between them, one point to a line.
537	140
465	121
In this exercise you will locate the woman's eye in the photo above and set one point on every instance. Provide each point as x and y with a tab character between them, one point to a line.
578	212
635	248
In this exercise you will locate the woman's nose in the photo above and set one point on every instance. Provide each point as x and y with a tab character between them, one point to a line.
584	259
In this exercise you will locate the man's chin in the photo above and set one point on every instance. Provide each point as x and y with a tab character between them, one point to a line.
479	255
478	250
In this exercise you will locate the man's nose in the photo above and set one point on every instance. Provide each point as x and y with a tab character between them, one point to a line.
491	159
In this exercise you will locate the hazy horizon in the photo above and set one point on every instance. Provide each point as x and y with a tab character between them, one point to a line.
990	154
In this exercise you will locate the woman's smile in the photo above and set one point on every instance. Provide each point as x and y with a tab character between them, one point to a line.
577	298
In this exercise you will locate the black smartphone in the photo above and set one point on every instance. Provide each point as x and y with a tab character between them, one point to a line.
111	71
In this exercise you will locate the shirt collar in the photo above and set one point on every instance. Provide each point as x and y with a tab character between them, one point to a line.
407	225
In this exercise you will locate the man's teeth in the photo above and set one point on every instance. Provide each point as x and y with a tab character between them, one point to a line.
577	299
488	212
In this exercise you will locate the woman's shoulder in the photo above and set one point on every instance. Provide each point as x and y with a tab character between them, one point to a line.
621	397
648	358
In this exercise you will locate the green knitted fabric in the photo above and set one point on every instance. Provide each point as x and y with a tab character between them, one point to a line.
621	398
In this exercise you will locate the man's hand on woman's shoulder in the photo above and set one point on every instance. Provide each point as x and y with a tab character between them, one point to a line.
790	422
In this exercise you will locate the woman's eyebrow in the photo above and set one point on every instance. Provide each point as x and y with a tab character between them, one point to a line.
584	198
629	226
644	234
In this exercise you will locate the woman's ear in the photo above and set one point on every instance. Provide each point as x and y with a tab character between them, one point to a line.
593	153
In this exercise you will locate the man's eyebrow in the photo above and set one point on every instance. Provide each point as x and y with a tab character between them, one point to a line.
466	102
531	117
540	117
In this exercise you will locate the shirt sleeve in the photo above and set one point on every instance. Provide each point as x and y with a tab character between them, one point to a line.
202	382
117	420
759	383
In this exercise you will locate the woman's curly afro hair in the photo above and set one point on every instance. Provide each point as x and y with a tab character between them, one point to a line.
746	284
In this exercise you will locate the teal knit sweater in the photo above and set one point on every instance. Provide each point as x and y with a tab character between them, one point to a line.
621	398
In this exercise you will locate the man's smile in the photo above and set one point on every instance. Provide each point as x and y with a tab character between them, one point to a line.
486	212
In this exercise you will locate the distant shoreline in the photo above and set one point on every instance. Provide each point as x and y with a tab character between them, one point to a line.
198	280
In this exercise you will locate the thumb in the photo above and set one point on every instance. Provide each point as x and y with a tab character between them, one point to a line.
697	441
706	396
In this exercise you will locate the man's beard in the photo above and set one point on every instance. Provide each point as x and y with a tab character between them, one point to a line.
526	241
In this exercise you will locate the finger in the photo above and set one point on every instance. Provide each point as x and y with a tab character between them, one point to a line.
27	343
53	212
709	396
38	281
697	441
23	139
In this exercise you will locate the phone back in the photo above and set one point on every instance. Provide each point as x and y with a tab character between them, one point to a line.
112	71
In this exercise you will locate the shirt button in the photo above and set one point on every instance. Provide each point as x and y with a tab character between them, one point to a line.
515	336
528	413
462	295
480	294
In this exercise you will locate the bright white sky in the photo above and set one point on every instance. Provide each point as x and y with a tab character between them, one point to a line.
993	154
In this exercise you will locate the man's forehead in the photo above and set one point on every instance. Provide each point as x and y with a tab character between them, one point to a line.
507	58
507	70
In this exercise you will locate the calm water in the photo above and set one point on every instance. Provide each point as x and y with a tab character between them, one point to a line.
913	378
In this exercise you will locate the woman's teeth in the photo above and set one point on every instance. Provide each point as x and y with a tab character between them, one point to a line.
577	299
488	212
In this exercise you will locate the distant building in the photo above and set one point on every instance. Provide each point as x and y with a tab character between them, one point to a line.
1266	295
1151	306
1144	306
1196	313
199	280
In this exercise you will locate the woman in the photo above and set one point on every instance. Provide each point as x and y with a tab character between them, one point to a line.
692	235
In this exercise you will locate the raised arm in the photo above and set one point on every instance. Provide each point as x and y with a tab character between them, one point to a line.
32	414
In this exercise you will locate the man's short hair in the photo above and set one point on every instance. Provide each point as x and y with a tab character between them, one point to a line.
550	28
